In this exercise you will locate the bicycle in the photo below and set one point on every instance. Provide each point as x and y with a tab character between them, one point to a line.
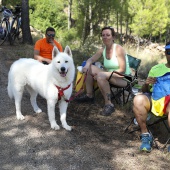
11	30
5	28
16	31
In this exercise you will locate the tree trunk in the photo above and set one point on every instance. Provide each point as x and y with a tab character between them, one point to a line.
117	16
69	13
27	38
90	19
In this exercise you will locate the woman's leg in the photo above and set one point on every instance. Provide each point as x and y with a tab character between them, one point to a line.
103	84
92	72
89	84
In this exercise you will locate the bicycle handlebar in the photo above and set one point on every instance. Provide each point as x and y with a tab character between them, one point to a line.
16	10
3	8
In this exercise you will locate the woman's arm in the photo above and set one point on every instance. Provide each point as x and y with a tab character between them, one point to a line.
120	53
92	59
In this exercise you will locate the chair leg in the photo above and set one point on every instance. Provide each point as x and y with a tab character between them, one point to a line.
154	141
166	143
127	128
168	129
117	99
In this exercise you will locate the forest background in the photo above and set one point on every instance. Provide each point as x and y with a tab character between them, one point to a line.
78	21
78	24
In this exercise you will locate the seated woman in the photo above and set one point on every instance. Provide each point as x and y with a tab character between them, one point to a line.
114	60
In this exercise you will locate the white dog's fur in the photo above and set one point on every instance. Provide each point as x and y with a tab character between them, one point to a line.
43	79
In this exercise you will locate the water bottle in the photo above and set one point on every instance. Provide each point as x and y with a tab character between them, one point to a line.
99	65
83	63
80	69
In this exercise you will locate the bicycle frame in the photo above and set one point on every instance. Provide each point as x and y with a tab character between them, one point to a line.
16	27
5	23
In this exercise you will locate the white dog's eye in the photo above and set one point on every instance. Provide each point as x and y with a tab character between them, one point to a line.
66	61
58	61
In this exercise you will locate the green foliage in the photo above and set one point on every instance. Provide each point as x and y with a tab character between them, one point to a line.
150	17
48	13
145	18
69	38
90	46
9	3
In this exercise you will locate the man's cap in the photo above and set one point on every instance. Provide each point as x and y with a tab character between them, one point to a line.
167	47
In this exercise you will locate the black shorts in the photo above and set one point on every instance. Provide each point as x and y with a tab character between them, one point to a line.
148	95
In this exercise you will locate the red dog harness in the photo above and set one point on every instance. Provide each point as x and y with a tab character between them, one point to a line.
61	92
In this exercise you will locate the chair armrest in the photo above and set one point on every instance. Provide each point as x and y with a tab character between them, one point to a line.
128	78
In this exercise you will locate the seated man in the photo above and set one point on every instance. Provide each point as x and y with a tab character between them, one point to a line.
43	47
159	77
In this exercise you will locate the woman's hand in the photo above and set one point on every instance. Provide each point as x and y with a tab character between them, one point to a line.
85	68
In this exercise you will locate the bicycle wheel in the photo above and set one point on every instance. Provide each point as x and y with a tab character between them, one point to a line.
16	32
19	35
4	32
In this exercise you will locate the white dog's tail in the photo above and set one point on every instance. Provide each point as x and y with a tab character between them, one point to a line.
9	87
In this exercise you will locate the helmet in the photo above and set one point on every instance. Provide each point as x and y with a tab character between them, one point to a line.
7	13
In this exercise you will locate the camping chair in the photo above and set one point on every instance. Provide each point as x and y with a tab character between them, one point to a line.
151	121
118	92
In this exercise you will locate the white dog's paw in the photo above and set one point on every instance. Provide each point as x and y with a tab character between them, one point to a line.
38	110
20	117
67	127
55	126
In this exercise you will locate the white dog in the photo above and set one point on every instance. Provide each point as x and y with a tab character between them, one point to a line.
53	82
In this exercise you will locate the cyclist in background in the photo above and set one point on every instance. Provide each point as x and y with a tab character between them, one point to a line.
43	47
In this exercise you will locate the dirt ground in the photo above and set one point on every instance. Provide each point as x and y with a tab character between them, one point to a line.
95	143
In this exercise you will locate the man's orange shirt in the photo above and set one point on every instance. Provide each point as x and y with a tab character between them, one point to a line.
46	48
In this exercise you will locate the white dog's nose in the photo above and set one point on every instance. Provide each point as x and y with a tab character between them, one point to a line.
63	69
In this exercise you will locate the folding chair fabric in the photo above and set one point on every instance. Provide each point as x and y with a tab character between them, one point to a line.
132	79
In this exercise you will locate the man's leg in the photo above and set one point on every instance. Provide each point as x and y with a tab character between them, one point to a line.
141	107
168	113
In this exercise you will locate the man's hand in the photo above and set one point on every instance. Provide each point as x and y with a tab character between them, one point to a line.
52	42
146	87
150	80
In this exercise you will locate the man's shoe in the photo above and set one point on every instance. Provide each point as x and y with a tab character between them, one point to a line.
107	110
84	98
147	141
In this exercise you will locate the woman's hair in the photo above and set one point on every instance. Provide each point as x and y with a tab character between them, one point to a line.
110	28
49	29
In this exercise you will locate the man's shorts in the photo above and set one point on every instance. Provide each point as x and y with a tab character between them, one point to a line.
148	95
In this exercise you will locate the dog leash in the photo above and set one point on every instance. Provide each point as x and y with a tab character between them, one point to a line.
81	89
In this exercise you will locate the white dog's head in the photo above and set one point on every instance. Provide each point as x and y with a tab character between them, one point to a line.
62	62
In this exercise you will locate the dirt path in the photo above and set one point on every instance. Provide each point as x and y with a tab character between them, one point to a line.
96	143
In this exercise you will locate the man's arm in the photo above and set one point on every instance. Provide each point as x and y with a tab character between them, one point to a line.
149	81
39	58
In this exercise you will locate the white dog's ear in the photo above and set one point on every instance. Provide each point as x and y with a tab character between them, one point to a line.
55	52
68	51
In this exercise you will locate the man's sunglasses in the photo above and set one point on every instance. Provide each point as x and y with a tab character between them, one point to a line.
51	35
168	52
